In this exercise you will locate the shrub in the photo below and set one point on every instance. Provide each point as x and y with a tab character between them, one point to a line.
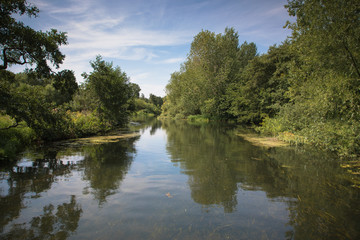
88	123
198	119
14	139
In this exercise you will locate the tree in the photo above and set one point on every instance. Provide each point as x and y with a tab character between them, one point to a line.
260	92
113	90
324	75
156	100
20	44
135	88
327	33
214	64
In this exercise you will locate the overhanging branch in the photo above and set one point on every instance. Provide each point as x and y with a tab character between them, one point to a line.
12	126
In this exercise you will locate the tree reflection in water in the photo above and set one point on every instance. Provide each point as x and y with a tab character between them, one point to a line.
26	182
321	202
105	166
50	225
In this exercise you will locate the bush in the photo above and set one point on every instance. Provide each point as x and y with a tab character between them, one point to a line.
337	136
14	139
88	123
179	116
198	119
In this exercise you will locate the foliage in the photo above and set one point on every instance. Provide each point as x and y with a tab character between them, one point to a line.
260	91
323	107
221	79
214	63
326	33
112	91
157	101
20	44
197	119
45	105
143	107
88	123
34	104
13	139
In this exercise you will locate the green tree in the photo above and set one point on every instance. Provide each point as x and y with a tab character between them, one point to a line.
20	44
324	76
135	88
260	91
327	33
33	97
65	85
214	63
112	89
156	100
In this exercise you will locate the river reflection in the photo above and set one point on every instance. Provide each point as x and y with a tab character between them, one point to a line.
50	224
102	167
105	166
321	202
177	181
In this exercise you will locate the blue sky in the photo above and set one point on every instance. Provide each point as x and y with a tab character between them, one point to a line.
149	39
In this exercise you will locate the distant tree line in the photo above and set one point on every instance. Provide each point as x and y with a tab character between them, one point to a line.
305	90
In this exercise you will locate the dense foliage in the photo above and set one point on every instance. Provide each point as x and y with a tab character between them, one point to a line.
305	90
213	66
21	44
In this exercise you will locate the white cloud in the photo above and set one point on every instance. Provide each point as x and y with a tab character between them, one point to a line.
173	60
143	32
140	77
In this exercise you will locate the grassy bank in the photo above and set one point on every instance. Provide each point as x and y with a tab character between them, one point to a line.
340	137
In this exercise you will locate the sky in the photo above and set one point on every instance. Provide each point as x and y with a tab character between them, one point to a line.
149	39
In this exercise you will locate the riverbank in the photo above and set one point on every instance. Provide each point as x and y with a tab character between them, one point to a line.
340	139
85	127
262	141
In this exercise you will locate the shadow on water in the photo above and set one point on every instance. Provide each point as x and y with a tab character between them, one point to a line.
321	201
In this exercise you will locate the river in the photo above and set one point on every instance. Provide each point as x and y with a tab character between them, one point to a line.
177	181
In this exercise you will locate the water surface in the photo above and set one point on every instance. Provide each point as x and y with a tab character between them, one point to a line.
177	181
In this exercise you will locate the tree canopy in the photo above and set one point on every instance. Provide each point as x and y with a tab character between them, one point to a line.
111	89
20	44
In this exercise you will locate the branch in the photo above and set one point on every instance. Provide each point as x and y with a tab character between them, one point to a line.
5	65
8	60
354	63
12	60
12	126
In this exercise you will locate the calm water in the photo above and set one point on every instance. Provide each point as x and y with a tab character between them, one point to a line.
177	181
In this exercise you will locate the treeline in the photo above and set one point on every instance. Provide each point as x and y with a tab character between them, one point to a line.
42	105
305	90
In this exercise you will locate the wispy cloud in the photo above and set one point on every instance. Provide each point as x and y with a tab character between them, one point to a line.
172	60
153	37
